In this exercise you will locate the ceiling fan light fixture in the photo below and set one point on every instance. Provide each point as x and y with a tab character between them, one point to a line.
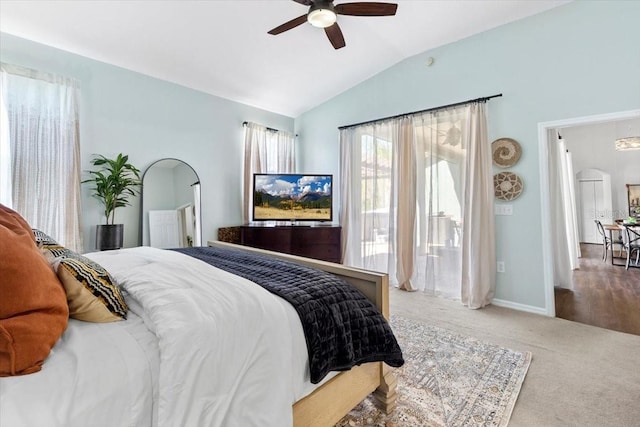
631	143
322	18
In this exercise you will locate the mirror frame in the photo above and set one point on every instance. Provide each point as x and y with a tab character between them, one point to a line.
141	225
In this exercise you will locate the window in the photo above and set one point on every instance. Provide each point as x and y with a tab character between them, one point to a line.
41	154
412	187
265	151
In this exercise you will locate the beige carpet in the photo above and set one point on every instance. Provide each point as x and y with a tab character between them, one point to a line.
448	380
579	375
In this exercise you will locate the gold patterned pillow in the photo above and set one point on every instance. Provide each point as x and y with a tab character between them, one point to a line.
92	294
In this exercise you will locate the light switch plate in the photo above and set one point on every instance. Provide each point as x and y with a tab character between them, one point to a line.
503	209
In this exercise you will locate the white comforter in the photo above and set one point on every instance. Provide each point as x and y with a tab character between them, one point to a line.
225	343
217	350
98	374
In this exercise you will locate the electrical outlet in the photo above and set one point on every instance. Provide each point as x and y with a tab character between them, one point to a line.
500	266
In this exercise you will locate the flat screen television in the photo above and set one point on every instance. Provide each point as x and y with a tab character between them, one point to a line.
292	197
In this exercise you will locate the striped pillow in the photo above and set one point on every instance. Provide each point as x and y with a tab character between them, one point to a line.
92	294
43	239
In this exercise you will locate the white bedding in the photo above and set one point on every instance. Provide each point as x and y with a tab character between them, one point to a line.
230	354
97	374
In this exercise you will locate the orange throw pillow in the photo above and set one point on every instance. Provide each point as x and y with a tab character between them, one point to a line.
33	304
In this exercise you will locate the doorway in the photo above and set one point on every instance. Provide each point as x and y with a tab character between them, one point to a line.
547	236
594	201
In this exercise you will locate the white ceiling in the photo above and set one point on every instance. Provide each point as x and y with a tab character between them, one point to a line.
222	47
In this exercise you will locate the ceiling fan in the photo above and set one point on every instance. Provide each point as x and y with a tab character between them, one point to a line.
323	14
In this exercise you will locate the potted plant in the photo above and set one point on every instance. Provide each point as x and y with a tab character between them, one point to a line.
114	182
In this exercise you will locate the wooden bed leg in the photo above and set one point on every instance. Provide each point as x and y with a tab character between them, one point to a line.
385	395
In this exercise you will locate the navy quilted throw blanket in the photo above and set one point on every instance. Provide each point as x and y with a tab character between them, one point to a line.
342	327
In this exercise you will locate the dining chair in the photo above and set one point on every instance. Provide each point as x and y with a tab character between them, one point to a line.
606	241
632	243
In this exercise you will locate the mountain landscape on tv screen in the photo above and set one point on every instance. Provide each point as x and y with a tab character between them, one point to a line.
308	206
292	197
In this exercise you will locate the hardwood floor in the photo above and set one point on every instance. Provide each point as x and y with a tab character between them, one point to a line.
604	295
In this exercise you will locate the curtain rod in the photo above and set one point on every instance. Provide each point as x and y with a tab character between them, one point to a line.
484	99
268	128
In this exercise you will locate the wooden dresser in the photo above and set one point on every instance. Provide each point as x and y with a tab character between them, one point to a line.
319	242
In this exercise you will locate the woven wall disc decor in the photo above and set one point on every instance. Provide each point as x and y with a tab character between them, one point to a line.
506	152
507	186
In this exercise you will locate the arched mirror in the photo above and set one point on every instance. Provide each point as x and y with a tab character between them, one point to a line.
170	216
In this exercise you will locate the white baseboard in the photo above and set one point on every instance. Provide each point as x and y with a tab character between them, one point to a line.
520	307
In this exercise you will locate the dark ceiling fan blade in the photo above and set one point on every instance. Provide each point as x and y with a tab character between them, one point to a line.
335	36
289	25
366	8
304	2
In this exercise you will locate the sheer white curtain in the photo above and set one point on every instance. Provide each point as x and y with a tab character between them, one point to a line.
367	209
442	168
571	210
42	113
564	226
409	187
6	197
265	151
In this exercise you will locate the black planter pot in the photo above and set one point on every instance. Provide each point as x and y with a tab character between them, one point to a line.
109	236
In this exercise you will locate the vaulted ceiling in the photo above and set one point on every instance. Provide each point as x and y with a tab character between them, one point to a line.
222	47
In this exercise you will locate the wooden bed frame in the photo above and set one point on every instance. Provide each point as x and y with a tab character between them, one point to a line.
327	404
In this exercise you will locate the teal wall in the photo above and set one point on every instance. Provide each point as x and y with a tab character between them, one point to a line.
576	60
149	119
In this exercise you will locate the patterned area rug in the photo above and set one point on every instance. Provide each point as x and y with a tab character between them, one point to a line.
448	380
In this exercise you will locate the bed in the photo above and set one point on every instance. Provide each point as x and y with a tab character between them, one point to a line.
328	403
148	370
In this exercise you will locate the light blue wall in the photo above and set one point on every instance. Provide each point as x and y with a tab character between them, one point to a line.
149	119
576	60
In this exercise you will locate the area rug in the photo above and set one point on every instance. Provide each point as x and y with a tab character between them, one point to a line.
448	380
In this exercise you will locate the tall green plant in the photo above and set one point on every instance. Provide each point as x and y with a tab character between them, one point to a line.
113	183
